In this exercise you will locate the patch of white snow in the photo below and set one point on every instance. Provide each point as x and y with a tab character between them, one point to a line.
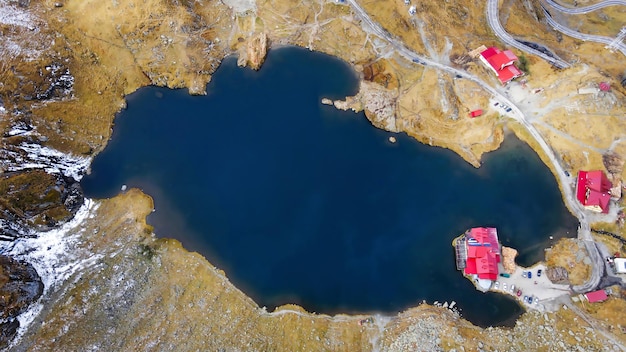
54	256
49	159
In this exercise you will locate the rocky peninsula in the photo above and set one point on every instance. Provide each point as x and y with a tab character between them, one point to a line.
80	274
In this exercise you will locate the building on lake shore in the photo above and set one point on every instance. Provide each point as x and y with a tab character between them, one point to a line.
478	254
593	190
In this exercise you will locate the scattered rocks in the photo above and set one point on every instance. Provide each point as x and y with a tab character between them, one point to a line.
558	275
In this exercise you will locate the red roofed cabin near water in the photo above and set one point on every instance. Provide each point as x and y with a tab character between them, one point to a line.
502	63
483	253
593	190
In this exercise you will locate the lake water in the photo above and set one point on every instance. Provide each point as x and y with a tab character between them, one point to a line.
301	203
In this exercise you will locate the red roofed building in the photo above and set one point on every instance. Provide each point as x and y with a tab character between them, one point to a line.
604	86
596	296
476	113
501	63
483	253
593	190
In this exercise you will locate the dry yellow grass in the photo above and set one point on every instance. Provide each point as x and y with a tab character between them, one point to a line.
568	253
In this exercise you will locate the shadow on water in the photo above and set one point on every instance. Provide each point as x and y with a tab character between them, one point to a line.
301	203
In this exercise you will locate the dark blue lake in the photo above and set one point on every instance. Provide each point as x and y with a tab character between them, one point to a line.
301	203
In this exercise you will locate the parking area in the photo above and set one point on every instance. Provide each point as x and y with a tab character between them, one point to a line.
538	288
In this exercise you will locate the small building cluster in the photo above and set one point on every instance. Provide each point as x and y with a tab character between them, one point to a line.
593	190
502	63
478	254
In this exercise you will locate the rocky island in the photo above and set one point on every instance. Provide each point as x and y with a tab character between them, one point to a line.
79	273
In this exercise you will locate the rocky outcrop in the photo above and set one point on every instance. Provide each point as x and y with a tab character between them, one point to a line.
34	200
20	286
378	102
508	259
558	275
254	53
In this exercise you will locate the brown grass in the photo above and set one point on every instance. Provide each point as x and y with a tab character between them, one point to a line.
564	253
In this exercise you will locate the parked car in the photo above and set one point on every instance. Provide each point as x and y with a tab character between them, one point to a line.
504	286
526	299
524	274
519	293
538	272
512	288
496	285
530	274
536	300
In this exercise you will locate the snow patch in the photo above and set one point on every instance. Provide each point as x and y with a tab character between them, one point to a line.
54	255
49	159
14	16
24	38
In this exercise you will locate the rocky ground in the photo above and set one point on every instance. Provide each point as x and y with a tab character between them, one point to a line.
110	284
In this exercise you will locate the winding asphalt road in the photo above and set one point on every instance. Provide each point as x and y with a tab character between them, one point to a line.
585	37
586	9
584	232
494	23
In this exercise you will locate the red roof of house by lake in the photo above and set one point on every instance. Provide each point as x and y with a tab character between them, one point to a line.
593	190
483	253
596	296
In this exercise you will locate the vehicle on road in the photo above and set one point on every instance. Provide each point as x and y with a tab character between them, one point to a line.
505	275
538	272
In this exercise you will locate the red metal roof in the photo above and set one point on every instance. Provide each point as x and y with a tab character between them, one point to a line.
501	60
502	63
605	87
508	73
593	189
476	113
489	52
483	253
596	296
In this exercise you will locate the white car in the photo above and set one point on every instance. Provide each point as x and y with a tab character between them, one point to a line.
512	288
504	286
497	285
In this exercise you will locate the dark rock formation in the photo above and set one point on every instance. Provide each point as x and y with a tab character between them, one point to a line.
20	286
34	200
